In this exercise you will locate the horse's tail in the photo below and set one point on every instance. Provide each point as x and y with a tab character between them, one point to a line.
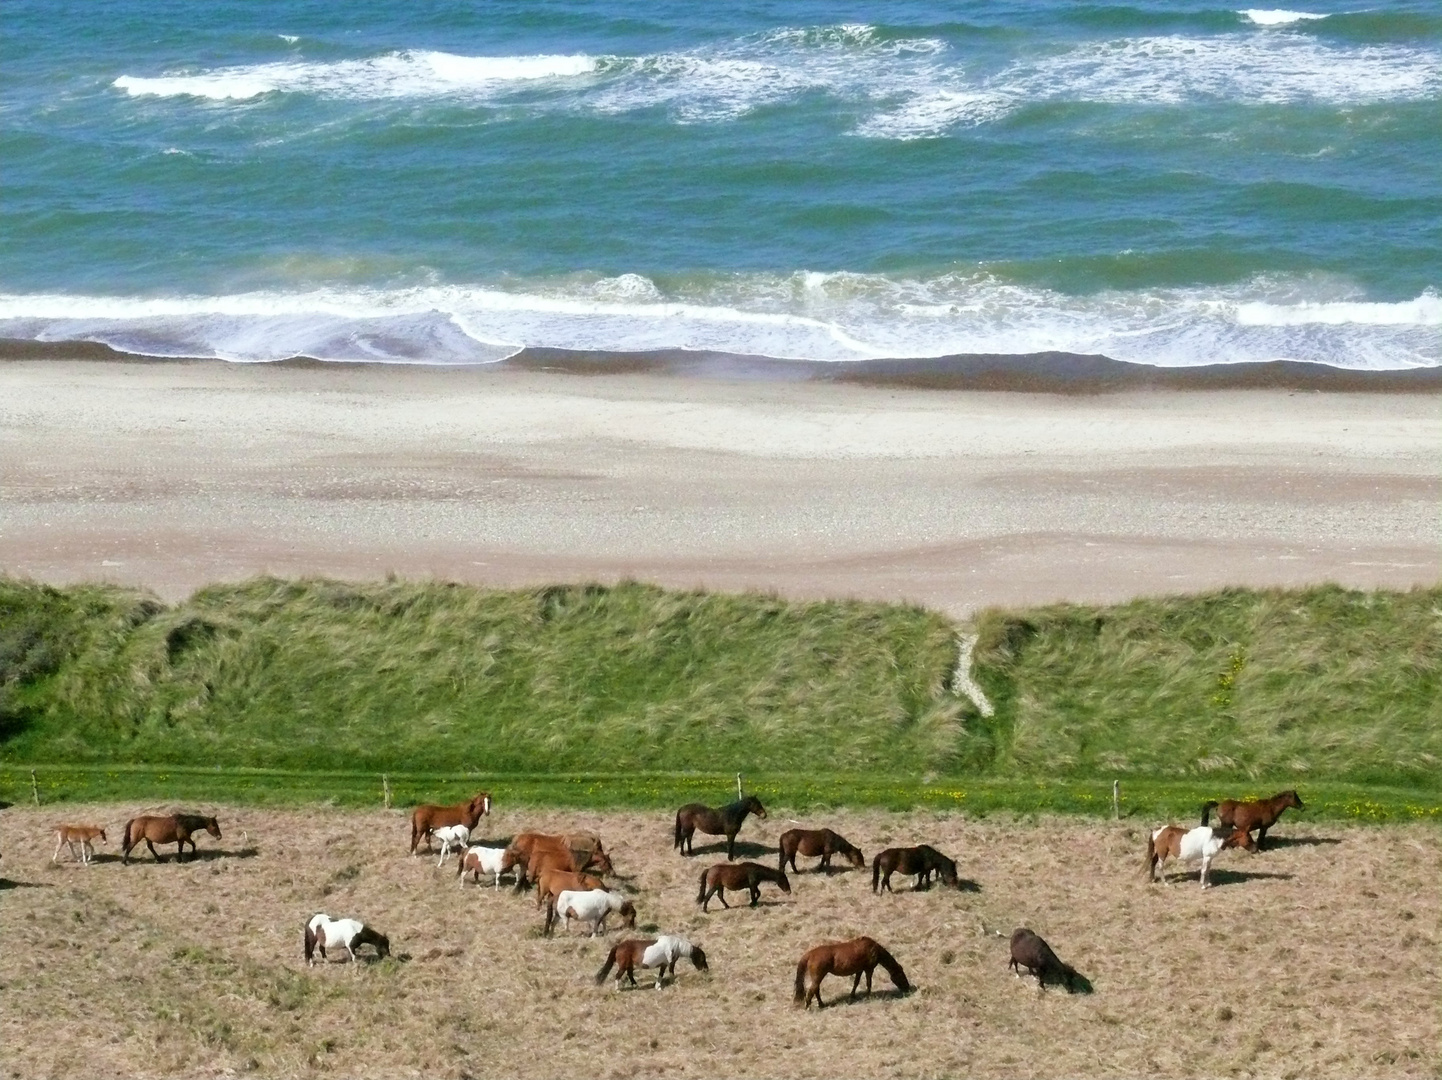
875	873
1207	808
893	969
701	892
606	967
1149	861
800	996
677	840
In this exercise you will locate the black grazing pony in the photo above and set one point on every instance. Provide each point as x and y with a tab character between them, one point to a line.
1029	951
923	861
723	822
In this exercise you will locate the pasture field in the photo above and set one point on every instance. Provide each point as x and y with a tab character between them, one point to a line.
1316	958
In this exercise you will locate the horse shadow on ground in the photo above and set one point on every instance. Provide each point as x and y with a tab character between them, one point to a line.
862	997
203	855
962	885
745	849
6	885
1231	877
1275	842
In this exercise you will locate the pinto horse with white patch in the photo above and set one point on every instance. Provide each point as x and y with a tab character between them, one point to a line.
426	818
592	906
1190	845
323	932
451	836
660	953
480	860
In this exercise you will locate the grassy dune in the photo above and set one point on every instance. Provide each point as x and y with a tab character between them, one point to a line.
307	690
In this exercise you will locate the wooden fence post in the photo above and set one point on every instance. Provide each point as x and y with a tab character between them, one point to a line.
386	789
1117	799
738	787
34	788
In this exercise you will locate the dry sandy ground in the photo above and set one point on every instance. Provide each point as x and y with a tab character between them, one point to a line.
1315	959
171	475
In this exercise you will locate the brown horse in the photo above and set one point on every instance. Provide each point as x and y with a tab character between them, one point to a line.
725	821
553	883
856	957
1260	815
427	817
659	953
1029	951
81	841
715	880
548	855
813	842
922	860
172	829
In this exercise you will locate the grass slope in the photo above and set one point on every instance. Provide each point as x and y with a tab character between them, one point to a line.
633	695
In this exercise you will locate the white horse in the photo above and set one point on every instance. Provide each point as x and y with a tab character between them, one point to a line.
594	906
323	932
485	860
451	836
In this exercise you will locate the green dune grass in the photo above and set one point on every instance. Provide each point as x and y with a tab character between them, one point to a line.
299	691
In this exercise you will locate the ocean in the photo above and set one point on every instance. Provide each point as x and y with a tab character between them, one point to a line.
1165	183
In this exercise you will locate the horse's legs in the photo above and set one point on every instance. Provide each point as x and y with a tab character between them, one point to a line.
87	852
825	861
152	849
755	891
868	981
59	842
855	982
730	845
1206	865
1261	836
721	895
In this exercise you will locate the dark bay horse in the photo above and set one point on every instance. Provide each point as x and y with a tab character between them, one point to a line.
856	957
723	822
1029	951
1260	815
172	829
813	842
922	860
426	817
715	880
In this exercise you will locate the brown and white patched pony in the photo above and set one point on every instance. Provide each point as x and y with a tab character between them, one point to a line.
660	953
174	829
1190	845
426	818
1259	815
857	957
80	840
814	842
553	883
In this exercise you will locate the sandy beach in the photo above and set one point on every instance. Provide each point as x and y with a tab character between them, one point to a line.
171	474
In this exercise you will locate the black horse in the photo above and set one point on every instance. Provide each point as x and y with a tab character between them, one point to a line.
723	822
923	861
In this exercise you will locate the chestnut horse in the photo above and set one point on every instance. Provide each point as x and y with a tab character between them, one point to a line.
856	957
81	841
426	817
813	842
1260	815
715	880
172	829
922	860
725	821
659	953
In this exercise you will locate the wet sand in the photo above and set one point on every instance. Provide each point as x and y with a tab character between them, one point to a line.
174	474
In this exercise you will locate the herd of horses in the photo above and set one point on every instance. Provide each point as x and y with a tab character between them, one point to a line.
568	872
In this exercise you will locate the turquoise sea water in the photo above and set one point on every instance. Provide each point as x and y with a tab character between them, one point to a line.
1161	182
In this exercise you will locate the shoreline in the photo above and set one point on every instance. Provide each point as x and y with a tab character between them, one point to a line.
1045	372
175	475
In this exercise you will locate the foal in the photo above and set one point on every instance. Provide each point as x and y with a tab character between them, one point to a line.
856	957
715	880
813	842
78	838
659	953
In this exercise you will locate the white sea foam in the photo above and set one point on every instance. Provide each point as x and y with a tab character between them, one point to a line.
815	316
1277	16
289	39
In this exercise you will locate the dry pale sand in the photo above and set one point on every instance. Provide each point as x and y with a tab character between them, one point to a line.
1314	959
171	475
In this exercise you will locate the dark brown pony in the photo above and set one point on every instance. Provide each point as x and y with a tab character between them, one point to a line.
922	860
1260	815
172	829
715	880
725	821
813	842
426	817
856	957
1029	951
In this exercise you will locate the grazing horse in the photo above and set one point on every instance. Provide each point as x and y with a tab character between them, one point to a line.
451	836
323	932
1203	842
1029	951
425	819
922	860
553	883
545	858
79	839
592	906
1260	815
813	842
715	880
660	953
856	957
485	860
172	829
723	822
